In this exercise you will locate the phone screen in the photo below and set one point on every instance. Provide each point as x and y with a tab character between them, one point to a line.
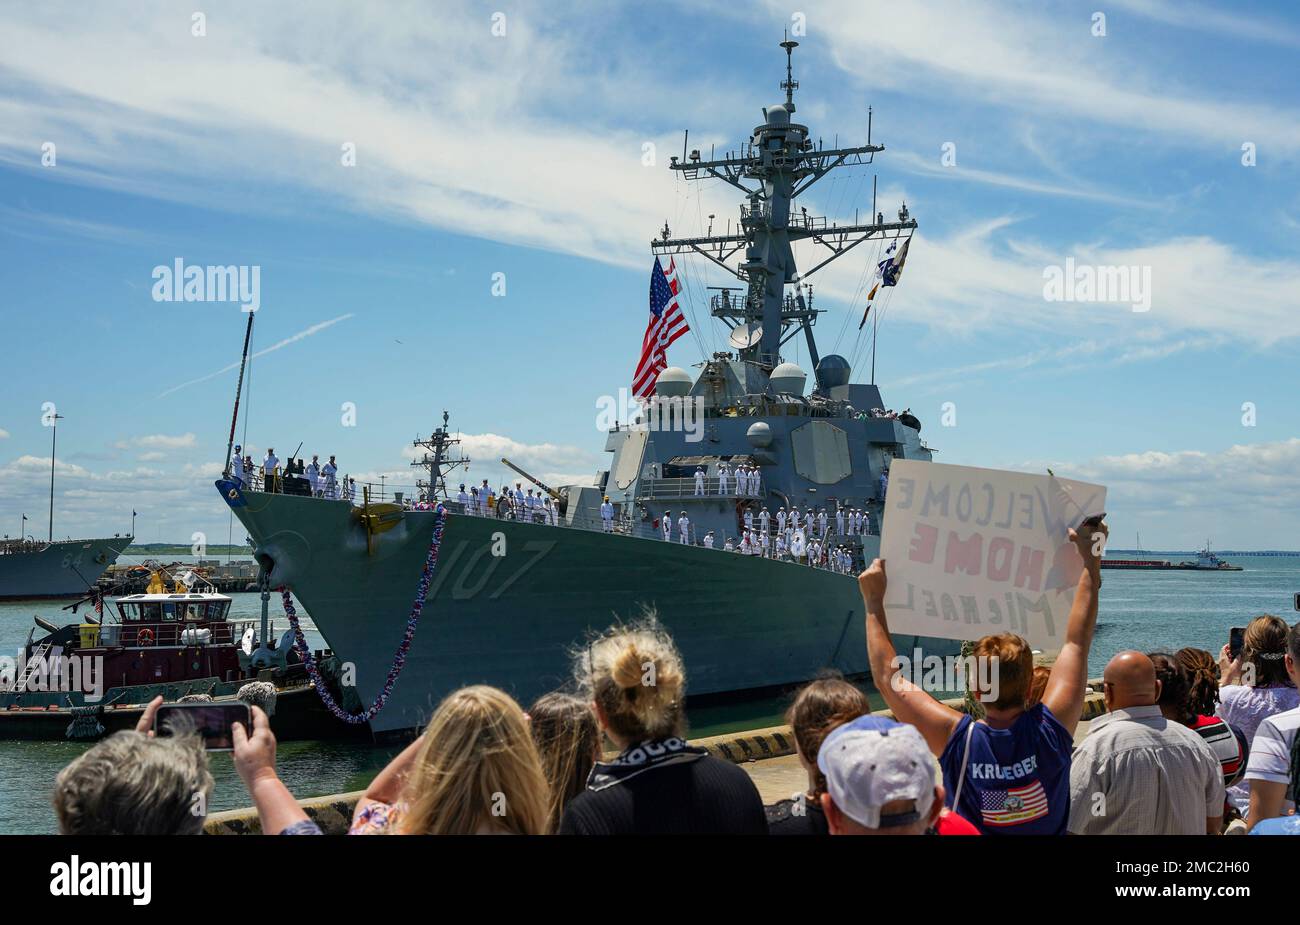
212	721
1236	639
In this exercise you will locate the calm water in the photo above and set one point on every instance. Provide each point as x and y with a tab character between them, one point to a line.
1139	610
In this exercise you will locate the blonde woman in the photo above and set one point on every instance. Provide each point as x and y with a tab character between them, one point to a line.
474	771
658	784
568	741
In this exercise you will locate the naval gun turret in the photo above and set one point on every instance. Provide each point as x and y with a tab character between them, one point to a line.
559	496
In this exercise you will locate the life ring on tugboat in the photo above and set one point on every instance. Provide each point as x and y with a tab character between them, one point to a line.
144	637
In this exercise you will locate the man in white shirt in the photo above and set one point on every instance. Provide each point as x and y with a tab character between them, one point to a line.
667	525
463	498
764	520
708	540
722	479
237	466
780	519
684	529
699	480
268	469
607	515
328	478
313	475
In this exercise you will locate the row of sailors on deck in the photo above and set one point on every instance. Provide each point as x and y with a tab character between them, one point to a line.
748	480
515	504
848	521
323	479
789	545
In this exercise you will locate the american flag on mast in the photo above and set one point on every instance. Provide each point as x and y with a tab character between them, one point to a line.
666	325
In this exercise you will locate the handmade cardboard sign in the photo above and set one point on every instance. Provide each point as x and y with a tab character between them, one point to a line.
970	552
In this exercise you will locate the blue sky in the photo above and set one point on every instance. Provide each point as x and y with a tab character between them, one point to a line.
522	154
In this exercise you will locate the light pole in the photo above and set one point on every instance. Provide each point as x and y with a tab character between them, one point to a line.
54	439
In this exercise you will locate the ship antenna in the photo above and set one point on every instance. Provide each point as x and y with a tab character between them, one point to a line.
789	85
239	388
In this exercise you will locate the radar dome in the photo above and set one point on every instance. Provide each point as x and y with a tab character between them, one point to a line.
759	434
833	370
673	382
788	379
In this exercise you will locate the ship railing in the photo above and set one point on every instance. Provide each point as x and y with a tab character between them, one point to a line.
650	489
168	633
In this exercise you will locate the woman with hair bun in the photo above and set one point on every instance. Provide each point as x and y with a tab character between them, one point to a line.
659	784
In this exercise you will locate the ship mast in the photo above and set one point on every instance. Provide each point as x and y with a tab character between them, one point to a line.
438	461
777	165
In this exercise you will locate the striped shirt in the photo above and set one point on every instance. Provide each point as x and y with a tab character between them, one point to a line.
1270	753
1226	745
1138	773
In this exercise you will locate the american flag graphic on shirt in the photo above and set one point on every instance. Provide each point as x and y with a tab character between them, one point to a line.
1015	806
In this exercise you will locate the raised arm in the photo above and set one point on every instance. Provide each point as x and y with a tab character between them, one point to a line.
254	758
910	703
387	786
1065	687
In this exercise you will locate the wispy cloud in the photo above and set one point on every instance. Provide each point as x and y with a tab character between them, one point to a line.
301	335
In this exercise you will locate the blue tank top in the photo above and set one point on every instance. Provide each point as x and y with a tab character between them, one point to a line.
1017	779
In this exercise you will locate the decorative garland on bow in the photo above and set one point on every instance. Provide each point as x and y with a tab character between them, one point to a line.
399	660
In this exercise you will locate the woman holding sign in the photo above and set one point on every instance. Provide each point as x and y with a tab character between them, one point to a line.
1009	773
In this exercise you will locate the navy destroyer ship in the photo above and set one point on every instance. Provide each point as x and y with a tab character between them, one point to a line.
517	588
30	568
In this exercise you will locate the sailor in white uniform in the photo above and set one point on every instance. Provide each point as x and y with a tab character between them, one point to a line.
780	545
749	519
237	467
328	479
699	480
722	479
708	540
821	522
484	492
463	498
764	520
606	515
667	525
268	469
839	521
742	480
780	519
746	547
684	529
313	475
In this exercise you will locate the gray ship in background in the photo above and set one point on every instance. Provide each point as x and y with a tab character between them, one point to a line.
743	622
30	568
61	568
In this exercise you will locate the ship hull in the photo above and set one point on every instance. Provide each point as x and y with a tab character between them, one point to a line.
511	601
64	568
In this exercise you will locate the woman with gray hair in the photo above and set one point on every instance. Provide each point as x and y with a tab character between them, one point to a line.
134	783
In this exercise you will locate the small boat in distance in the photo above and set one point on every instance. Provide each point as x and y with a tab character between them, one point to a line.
1205	561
